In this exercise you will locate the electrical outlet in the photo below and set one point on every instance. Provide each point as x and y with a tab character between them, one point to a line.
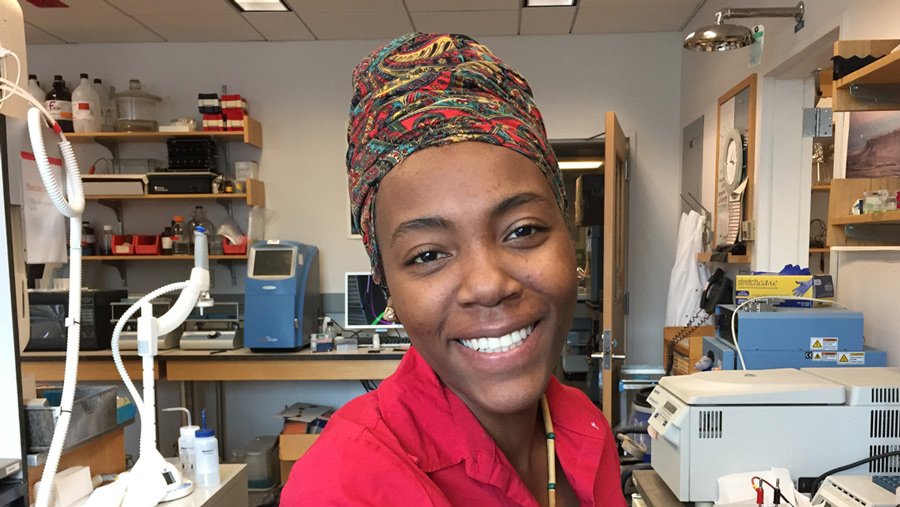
748	230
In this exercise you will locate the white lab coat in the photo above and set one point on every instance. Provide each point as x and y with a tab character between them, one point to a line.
688	276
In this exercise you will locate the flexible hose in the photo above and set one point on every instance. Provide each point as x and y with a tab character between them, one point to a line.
73	210
117	331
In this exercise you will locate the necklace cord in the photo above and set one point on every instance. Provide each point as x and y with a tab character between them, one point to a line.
551	451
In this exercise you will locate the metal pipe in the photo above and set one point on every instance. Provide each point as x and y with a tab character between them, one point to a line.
761	12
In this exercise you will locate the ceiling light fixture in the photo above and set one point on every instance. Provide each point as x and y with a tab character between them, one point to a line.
259	5
573	165
723	37
549	3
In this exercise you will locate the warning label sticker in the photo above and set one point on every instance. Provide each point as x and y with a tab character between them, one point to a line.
829	357
851	358
816	356
821	343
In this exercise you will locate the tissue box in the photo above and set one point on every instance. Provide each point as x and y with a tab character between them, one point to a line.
810	286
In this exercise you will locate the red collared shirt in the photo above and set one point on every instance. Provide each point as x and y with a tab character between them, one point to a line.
412	442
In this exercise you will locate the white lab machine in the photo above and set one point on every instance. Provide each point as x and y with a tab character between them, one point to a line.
808	421
854	491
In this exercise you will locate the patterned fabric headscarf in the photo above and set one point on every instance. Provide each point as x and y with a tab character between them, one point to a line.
424	90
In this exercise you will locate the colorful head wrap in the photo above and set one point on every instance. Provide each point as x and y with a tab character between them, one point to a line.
424	90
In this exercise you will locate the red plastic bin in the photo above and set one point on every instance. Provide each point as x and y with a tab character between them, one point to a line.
147	245
234	249
122	244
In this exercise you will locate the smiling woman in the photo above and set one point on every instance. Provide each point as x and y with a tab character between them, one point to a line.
468	238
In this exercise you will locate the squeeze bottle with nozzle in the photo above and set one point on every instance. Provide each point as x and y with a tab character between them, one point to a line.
207	448
187	457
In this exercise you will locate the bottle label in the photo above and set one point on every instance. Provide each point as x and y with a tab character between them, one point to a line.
59	109
82	111
167	242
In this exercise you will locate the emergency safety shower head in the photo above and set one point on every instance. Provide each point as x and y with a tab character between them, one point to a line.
723	37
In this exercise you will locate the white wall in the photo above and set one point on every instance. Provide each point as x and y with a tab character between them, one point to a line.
300	91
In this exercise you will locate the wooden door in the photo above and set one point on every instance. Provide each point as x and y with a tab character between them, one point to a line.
614	266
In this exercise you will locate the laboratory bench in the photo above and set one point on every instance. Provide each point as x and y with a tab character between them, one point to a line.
215	365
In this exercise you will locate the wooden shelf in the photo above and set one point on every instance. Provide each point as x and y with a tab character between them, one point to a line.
821	188
886	217
251	135
255	195
157	257
884	71
732	259
813	249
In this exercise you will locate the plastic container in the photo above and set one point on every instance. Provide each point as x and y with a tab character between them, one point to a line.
106	244
147	244
261	457
136	109
86	107
58	102
122	244
88	239
641	416
230	248
34	88
180	243
206	449
107	113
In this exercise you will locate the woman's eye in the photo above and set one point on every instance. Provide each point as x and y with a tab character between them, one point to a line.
523	231
429	256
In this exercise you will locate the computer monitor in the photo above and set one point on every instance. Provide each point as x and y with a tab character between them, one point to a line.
364	304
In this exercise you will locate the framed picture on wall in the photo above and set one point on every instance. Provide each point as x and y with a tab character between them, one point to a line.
873	144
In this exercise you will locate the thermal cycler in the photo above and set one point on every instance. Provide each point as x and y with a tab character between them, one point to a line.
281	299
808	421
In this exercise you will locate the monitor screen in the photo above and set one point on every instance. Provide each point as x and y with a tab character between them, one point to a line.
277	262
364	304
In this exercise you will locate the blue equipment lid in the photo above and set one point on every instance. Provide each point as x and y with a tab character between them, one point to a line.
205	432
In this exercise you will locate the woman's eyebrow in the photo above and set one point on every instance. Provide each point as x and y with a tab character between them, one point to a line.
419	224
515	201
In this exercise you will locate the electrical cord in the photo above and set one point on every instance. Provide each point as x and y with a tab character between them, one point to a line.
778	497
817	483
692	325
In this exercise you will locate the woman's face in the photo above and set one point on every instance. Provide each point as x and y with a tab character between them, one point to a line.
480	269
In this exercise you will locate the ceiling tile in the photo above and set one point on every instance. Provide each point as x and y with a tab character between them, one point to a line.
34	35
462	5
75	8
638	4
172	7
304	6
481	23
202	28
97	29
357	25
546	20
278	25
627	18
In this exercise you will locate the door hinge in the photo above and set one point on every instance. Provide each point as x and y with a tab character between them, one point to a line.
627	302
817	122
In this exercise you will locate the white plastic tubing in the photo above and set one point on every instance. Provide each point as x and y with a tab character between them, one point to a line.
146	410
71	208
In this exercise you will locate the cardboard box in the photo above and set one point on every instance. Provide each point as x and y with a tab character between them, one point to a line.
290	449
688	351
810	286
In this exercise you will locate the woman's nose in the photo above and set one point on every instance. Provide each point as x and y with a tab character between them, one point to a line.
486	279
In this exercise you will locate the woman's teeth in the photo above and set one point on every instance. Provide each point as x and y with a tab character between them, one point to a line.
501	344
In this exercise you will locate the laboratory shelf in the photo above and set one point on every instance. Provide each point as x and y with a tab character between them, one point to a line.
886	217
252	135
821	188
819	249
158	257
874	87
732	259
255	195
